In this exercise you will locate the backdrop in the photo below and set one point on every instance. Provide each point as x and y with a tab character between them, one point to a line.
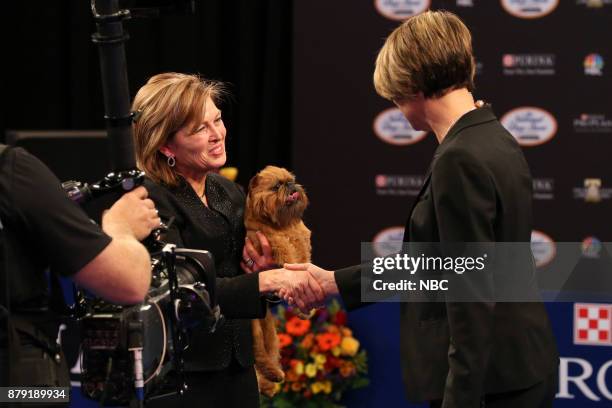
542	64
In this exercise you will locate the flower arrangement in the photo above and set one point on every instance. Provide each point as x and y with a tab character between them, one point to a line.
320	357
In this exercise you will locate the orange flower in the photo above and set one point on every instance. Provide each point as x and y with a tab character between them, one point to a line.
328	341
308	341
297	327
296	386
347	369
284	340
291	375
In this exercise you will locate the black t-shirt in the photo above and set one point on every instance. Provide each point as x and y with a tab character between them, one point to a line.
43	229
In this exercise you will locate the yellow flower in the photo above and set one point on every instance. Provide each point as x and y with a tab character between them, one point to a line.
349	346
327	387
316	387
336	351
299	368
320	360
311	370
277	388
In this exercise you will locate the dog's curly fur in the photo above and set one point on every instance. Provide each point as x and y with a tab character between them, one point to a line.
274	206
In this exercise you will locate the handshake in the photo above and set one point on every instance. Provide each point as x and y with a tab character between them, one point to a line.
303	285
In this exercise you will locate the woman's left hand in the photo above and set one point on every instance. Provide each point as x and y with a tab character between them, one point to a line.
253	261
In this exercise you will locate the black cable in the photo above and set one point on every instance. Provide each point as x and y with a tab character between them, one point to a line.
109	369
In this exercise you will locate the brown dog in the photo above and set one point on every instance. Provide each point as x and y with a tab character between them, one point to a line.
274	206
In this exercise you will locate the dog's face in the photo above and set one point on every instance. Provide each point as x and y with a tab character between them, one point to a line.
274	197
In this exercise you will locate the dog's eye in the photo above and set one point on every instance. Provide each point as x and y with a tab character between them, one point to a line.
277	186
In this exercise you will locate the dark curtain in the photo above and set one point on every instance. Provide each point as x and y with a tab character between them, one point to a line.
51	74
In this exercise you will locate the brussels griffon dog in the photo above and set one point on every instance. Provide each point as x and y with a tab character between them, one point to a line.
274	206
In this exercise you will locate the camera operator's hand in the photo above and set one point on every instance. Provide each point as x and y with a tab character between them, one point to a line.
134	214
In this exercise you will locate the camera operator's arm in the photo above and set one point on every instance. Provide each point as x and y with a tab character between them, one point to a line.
122	271
69	242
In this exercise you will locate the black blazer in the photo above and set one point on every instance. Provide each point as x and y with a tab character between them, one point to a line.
478	189
220	230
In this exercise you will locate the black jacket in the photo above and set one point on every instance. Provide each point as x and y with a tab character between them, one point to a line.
219	229
478	189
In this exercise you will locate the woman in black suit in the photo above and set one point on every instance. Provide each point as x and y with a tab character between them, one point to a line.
180	143
477	189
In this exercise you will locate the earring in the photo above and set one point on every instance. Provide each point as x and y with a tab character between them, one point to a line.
171	161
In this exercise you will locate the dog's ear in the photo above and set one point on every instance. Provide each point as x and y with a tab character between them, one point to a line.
254	182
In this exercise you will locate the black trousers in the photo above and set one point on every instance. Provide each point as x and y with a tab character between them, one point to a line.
540	395
232	387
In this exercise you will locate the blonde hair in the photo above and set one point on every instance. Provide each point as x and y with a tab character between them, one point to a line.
429	53
164	105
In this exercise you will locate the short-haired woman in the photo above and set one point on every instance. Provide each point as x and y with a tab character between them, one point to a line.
478	189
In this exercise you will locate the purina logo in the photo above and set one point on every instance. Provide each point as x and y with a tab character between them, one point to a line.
529	125
580	378
592	191
388	241
543	189
543	248
392	127
593	65
398	185
401	9
529	64
591	247
592	123
592	324
529	8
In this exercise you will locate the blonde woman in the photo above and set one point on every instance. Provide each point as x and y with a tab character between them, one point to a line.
180	143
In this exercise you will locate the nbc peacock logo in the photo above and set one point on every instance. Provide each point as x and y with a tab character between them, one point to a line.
593	65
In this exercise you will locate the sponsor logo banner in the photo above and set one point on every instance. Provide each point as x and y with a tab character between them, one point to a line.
528	64
543	188
388	241
543	248
401	9
593	65
398	185
529	8
592	324
392	127
530	126
592	192
591	247
592	123
594	3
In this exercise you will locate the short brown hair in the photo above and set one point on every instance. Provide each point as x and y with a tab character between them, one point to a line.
429	53
164	105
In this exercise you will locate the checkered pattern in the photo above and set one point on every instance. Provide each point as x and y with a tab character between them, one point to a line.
593	324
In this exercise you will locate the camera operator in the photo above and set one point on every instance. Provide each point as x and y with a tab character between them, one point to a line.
44	230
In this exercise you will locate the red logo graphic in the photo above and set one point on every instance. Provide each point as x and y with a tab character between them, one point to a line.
593	324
